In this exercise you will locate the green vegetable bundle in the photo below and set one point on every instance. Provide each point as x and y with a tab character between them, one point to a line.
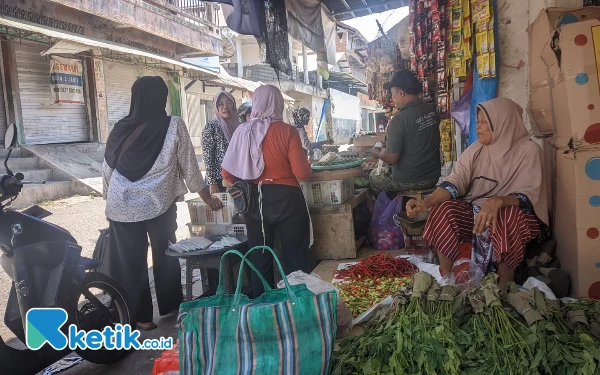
444	330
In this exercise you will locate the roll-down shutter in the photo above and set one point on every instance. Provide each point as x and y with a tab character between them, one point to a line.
2	113
119	78
196	109
43	120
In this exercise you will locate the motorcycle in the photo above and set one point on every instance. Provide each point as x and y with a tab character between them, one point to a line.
47	270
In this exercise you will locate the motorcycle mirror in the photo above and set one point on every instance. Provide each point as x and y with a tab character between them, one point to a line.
10	137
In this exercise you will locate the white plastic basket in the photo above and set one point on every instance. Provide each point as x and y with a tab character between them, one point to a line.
328	192
201	214
217	230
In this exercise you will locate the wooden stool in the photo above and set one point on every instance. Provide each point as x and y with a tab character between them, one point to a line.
417	244
416	194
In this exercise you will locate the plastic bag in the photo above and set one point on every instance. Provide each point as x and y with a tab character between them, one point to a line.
380	169
314	283
167	364
384	234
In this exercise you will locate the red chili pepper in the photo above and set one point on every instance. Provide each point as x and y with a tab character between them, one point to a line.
376	266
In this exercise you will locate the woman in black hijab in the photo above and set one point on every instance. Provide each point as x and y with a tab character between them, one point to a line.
149	166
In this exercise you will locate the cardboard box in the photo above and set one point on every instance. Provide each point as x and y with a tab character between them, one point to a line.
577	219
540	79
575	91
369	140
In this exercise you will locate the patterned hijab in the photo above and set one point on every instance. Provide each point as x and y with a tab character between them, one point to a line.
301	117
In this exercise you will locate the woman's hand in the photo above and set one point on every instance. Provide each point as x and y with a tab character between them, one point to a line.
415	207
488	216
214	189
214	203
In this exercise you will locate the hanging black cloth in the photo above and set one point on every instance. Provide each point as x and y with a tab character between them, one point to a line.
148	102
274	42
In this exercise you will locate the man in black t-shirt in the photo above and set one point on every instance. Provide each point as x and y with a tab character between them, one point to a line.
413	140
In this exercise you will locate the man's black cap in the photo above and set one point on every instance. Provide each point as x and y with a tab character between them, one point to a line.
406	81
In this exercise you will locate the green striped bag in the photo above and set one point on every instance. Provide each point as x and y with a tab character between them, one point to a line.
284	331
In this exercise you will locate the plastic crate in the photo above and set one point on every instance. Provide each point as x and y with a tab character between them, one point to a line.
217	230
328	192
201	214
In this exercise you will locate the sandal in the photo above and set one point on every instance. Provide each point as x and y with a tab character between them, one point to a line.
146	326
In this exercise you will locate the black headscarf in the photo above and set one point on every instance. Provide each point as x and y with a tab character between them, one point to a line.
148	102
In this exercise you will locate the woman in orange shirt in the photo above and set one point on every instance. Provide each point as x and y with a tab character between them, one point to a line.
268	151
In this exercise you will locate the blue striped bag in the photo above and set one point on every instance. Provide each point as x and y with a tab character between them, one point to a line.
284	331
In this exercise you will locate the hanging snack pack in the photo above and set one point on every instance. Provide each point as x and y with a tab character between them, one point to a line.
483	65
492	64
482	42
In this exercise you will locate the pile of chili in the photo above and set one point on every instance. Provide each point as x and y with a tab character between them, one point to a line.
376	266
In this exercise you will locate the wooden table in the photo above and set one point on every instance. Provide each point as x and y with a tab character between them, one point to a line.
333	230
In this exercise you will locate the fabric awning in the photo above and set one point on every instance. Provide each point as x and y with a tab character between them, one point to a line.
79	43
226	81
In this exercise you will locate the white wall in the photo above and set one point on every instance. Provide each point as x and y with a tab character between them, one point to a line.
250	55
345	112
514	18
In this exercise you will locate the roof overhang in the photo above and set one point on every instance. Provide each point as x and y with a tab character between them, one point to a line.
343	10
72	43
236	83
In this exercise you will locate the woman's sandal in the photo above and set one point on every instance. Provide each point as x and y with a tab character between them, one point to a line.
146	326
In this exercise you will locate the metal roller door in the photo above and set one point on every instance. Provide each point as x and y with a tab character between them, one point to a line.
44	121
2	113
119	78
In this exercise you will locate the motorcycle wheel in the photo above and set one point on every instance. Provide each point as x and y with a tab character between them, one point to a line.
90	316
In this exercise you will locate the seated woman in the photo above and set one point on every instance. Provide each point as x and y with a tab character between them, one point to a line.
494	198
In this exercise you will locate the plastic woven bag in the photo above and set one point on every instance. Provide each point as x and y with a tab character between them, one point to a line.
314	283
384	234
289	331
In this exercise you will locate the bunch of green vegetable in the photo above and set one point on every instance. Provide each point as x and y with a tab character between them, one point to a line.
338	161
444	330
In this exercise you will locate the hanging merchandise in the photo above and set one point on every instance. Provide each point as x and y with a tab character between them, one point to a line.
322	66
383	59
274	42
243	16
484	88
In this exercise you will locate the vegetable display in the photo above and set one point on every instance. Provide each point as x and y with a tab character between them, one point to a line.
433	329
363	293
338	161
376	266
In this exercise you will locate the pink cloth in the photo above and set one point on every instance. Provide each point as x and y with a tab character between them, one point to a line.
244	157
227	126
512	163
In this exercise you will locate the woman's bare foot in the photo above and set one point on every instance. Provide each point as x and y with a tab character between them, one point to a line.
505	275
445	264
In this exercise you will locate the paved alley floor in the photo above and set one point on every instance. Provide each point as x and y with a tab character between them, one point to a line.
83	217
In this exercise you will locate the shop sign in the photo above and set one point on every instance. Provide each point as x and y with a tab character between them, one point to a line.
66	80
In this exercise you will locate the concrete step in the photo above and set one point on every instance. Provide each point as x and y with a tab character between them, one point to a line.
14	154
50	191
23	164
38	175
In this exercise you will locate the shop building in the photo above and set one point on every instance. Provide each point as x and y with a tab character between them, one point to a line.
108	45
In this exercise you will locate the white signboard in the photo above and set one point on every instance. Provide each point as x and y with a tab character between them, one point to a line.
66	80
